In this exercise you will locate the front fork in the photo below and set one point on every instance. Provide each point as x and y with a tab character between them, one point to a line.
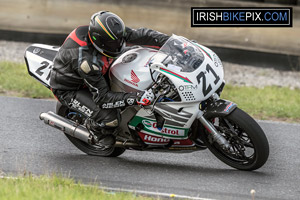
222	108
216	136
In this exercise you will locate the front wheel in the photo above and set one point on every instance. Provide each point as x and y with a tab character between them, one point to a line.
249	146
89	149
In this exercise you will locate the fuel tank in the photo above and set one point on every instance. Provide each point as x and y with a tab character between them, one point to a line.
130	72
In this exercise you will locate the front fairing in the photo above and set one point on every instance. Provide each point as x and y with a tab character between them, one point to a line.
195	70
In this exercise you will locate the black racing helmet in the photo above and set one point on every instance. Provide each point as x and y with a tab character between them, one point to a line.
107	33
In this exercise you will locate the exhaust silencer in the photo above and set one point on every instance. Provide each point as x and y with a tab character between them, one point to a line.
67	126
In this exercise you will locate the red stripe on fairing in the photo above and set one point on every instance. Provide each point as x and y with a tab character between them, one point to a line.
206	53
74	37
184	78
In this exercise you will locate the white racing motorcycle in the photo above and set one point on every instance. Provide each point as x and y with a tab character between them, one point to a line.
187	115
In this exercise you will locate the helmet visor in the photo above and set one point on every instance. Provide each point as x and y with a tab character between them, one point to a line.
112	48
114	45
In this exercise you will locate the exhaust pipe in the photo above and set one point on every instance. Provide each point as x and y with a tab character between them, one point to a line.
71	128
67	126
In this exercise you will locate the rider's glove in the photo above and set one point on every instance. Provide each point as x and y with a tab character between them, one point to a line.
145	97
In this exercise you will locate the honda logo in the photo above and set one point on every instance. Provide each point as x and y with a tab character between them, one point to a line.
134	77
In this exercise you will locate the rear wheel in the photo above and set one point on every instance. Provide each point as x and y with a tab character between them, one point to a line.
249	145
89	149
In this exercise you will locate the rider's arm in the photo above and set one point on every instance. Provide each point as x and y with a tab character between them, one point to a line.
93	78
145	36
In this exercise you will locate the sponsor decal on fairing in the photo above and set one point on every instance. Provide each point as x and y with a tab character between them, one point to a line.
134	79
187	87
152	126
154	140
217	61
36	50
228	107
150	139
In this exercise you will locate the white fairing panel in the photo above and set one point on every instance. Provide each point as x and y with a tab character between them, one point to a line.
39	60
130	72
195	70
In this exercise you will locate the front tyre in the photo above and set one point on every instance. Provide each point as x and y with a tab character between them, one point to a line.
89	149
249	145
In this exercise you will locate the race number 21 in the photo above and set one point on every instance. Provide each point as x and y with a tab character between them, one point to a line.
207	88
40	70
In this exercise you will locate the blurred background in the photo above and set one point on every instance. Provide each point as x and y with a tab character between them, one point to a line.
49	21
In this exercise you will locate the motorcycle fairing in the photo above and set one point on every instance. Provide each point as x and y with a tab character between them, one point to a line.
178	120
195	70
39	61
130	72
162	141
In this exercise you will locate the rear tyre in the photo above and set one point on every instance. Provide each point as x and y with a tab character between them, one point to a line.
249	145
89	149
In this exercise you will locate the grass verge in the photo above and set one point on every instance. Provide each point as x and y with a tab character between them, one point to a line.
15	81
48	188
273	103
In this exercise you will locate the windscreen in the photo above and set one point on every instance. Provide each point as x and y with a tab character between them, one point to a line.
179	54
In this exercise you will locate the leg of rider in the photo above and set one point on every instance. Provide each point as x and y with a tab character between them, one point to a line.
103	122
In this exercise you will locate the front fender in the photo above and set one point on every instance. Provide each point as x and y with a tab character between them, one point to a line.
221	107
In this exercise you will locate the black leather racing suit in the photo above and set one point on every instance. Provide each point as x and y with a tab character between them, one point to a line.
87	91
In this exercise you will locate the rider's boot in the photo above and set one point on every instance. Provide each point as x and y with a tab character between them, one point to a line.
102	137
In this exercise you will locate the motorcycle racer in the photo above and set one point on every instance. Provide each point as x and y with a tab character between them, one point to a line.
78	76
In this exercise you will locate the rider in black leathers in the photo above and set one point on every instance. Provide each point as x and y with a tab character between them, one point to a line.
78	76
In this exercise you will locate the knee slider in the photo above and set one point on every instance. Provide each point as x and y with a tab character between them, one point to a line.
112	124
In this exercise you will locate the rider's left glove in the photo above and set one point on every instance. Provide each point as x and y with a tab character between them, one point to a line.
145	98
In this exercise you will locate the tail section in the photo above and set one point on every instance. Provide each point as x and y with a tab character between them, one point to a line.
39	60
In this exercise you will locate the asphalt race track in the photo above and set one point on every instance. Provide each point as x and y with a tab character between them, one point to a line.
26	144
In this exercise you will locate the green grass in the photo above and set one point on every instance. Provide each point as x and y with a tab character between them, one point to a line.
52	188
15	80
262	103
266	103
